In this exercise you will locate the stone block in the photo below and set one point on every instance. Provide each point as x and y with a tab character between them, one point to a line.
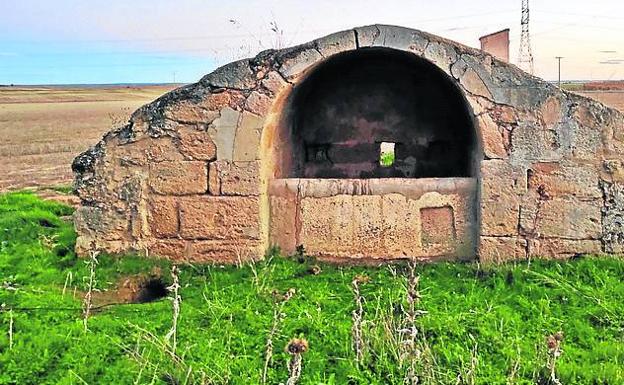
173	249
101	223
217	101
613	170
336	43
500	200
283	223
163	216
438	226
247	141
224	252
472	82
560	217
551	111
295	61
367	223
326	224
179	178
400	38
531	141
190	113
214	182
441	54
274	82
492	138
237	75
144	150
222	132
258	103
501	249
563	248
234	178
401	226
613	217
571	179
223	218
196	144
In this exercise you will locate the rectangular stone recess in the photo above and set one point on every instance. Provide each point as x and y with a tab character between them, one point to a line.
438	225
386	218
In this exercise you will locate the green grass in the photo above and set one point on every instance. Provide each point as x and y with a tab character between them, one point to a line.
502	313
386	159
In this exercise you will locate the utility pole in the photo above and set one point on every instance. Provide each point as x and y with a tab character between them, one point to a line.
525	58
559	60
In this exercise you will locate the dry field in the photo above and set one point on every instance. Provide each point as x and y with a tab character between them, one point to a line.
44	128
613	99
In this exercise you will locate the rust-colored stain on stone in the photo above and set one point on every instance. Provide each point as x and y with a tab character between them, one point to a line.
284	149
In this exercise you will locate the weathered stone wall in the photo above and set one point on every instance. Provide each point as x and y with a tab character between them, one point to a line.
188	176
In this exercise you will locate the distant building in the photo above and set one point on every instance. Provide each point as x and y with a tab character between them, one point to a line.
497	44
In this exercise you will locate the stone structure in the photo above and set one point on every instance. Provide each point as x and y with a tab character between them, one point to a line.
284	149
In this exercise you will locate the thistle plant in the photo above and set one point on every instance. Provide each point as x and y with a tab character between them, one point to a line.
357	317
278	318
553	342
410	343
176	299
87	304
296	347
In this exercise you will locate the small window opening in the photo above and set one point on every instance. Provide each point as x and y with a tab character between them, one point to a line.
386	154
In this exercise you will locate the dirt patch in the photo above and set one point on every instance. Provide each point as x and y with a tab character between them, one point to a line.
133	289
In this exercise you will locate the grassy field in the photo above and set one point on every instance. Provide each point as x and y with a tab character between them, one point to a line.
484	325
44	128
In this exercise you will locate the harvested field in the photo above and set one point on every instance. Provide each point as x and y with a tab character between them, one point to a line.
613	99
44	128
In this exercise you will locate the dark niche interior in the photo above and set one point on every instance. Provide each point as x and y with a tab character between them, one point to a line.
340	115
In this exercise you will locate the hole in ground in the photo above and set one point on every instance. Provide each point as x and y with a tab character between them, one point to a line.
151	290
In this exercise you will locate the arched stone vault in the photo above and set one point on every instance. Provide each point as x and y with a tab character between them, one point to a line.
189	176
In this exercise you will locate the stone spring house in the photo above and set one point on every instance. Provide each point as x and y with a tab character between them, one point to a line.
284	149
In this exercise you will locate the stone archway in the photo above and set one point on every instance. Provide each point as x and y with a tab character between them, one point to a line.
332	193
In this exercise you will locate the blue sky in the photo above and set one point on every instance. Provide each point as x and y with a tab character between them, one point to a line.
119	41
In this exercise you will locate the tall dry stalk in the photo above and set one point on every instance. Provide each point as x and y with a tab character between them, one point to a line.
176	299
296	347
357	317
470	376
88	298
278	318
69	278
10	331
411	352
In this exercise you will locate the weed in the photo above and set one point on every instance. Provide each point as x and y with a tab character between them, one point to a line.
296	347
88	298
278	318
176	299
357	317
